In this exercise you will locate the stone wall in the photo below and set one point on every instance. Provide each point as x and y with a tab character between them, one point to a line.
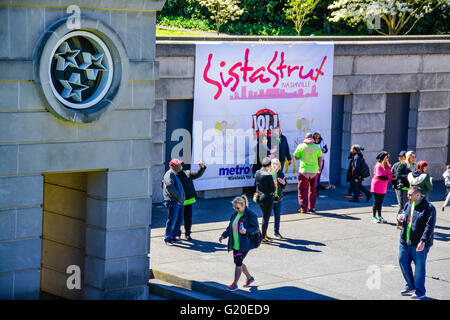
365	71
116	152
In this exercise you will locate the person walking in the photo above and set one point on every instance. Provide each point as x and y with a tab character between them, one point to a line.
186	177
280	183
323	146
421	178
242	225
446	176
265	189
400	180
310	156
358	174
417	220
381	176
174	197
282	152
348	178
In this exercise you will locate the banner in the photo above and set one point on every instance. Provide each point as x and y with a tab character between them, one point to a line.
243	90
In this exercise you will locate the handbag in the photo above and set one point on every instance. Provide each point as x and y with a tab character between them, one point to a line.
256	197
256	238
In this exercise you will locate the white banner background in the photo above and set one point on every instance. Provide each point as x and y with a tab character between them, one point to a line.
294	81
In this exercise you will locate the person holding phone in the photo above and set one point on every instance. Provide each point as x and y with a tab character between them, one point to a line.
381	176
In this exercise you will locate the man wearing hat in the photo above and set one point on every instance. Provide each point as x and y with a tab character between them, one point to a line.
265	187
400	180
174	197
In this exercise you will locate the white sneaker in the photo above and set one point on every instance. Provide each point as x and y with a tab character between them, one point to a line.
407	292
416	297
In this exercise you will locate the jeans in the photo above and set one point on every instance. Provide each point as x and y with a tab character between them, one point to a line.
416	280
447	199
276	215
402	198
307	192
174	220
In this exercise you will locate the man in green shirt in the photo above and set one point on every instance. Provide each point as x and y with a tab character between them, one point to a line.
310	156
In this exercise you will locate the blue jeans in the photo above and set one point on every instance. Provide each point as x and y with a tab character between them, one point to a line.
416	280
276	215
174	220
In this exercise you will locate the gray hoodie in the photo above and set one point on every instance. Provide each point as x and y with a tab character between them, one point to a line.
172	187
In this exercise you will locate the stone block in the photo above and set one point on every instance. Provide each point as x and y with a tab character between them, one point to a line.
427	81
20	223
432	138
60	256
168	49
141	153
119	183
4	32
433	119
21	191
51	15
28	97
158	154
64	229
13	70
117	243
157	195
369	141
433	100
387	64
177	67
107	214
366	103
8	163
369	122
160	110
65	201
144	70
134	34
27	285
6	279
9	91
55	282
143	93
7	224
387	83
148	26
443	81
159	132
20	254
17	31
436	63
138	270
412	138
131	293
433	155
351	84
173	88
343	65
73	180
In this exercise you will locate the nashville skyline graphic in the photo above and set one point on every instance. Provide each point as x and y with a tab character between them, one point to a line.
273	94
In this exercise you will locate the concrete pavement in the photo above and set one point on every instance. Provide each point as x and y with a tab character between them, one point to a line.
338	253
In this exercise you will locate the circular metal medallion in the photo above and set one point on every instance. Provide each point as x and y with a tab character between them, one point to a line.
80	70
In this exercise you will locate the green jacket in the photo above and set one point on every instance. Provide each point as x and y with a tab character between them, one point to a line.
422	180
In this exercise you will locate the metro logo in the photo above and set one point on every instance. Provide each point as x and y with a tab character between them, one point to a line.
234	171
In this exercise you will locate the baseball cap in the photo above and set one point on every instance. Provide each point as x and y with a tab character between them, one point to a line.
175	161
402	154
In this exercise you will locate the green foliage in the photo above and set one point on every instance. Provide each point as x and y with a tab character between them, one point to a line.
266	17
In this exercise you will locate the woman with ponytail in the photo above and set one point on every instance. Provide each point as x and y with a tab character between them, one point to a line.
243	224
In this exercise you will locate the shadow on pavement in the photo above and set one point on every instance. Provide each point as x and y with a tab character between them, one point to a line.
288	293
202	246
296	244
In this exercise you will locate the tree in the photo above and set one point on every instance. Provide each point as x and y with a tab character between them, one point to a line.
222	10
298	10
396	14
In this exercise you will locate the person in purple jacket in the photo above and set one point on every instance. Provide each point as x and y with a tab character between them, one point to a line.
381	176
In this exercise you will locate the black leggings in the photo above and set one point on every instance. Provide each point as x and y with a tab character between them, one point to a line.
238	257
377	203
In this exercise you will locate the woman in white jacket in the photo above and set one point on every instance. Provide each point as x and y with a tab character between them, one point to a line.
446	176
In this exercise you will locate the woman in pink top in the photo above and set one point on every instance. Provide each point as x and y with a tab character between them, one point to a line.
381	176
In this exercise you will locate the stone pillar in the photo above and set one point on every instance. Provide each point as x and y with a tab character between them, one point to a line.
118	234
432	130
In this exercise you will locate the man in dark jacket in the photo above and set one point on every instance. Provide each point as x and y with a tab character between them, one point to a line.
174	197
356	177
282	152
400	181
186	177
265	188
417	220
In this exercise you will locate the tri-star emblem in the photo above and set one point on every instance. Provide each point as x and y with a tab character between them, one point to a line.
92	65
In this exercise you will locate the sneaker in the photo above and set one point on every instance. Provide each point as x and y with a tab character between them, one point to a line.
407	292
348	195
382	220
278	235
301	211
168	242
375	220
361	196
266	240
233	287
416	297
249	281
188	237
312	211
